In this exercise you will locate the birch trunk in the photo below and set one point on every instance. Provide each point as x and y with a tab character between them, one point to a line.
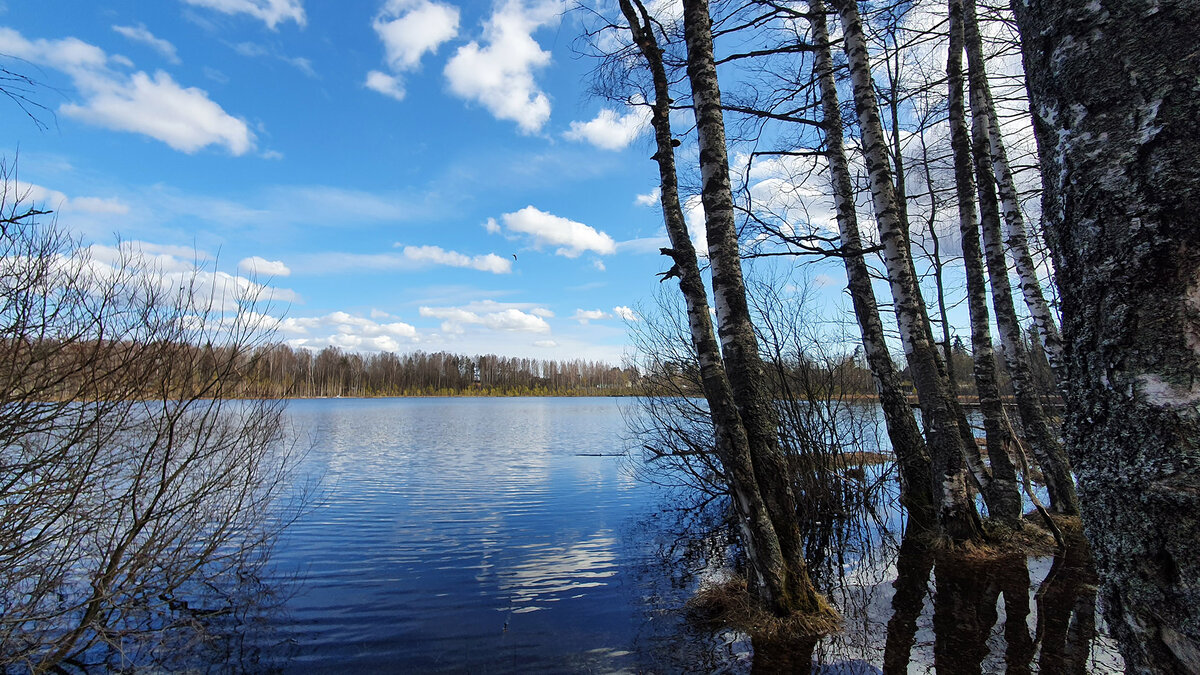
940	414
1015	237
999	485
739	345
1114	95
733	445
917	492
1056	468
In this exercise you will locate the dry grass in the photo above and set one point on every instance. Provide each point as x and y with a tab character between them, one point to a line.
730	604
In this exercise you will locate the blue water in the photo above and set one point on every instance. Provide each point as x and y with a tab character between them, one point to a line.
480	535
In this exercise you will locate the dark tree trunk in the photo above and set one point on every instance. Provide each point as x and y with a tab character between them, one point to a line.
1115	100
917	493
770	569
739	345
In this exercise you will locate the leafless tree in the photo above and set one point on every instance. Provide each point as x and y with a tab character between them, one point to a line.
137	498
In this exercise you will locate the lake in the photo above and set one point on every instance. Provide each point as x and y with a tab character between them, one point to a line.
508	535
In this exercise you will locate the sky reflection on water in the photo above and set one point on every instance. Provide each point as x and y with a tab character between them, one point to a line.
500	535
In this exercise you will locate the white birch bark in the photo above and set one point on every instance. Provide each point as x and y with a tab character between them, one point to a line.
940	413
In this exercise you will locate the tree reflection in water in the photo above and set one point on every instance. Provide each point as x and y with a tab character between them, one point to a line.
910	609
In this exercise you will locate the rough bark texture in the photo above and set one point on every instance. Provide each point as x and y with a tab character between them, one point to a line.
999	485
733	445
1056	468
945	436
917	493
1115	99
739	346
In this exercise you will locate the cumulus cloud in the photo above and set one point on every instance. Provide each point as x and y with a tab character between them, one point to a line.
347	331
261	267
625	313
184	118
140	33
609	130
651	198
409	29
491	315
436	255
500	74
585	315
171	268
270	12
546	229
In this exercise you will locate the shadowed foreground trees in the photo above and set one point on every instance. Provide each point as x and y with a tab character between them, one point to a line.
1113	91
138	503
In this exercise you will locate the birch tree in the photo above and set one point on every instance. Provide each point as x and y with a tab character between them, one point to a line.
739	346
1056	468
945	428
1113	88
907	443
999	484
776	559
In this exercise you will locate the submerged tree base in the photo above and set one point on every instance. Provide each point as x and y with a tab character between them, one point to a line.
731	604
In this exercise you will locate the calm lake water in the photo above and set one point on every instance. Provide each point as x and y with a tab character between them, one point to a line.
506	535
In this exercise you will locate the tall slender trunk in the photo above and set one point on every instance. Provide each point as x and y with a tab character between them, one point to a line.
739	346
1056	468
1015	237
732	443
1113	90
940	414
917	493
999	485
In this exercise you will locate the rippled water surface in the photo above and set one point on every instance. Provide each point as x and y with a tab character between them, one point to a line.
506	535
468	534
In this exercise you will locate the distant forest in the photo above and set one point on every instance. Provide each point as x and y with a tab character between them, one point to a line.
279	370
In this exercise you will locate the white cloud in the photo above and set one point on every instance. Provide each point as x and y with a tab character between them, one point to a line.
347	331
693	214
261	267
599	264
54	200
545	343
410	28
546	229
270	12
492	226
625	313
434	254
184	118
456	319
610	131
585	315
140	33
651	198
171	268
500	74
385	84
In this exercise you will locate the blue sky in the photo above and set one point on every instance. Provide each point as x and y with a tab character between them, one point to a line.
375	164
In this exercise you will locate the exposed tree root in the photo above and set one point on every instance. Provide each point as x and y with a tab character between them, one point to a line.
730	604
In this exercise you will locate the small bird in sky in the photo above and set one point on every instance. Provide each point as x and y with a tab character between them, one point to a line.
514	256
